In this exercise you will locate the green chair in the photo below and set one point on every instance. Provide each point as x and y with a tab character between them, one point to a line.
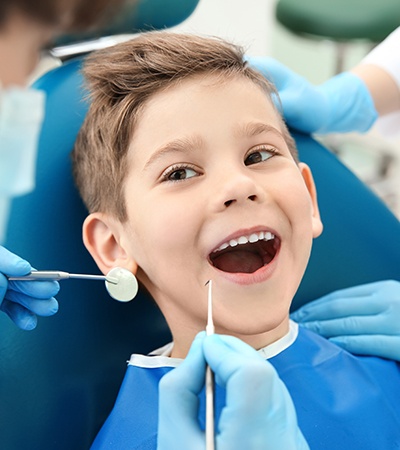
341	21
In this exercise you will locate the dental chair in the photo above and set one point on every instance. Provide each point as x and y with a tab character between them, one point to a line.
59	382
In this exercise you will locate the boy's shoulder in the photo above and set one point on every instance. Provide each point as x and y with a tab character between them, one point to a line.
340	398
310	350
325	362
133	421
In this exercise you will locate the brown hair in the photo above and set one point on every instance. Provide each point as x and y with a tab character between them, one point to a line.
120	80
69	15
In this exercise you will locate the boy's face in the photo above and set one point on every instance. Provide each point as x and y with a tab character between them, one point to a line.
209	169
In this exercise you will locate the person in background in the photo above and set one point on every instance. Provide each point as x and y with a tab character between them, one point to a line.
26	28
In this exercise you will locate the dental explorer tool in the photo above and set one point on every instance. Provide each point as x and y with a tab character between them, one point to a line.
120	283
210	381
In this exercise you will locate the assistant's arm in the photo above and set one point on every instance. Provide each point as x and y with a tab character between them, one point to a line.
380	71
350	101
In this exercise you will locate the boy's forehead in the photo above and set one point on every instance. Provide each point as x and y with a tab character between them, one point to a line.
202	83
201	101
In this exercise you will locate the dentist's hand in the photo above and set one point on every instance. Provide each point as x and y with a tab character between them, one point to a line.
341	104
364	319
259	412
22	301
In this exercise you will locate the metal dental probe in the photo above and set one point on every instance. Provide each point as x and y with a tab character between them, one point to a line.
210	381
56	275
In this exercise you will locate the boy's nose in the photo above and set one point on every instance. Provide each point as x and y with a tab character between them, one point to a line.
250	197
236	188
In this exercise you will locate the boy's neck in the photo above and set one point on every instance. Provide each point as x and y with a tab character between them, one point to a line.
183	341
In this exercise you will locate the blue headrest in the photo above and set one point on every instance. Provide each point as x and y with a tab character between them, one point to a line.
361	238
59	382
137	16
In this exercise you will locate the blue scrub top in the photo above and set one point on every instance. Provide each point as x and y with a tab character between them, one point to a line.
342	401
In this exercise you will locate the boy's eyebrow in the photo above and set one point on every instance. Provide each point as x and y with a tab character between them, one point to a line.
254	128
184	145
188	144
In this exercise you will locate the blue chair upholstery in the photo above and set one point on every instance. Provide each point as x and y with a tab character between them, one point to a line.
59	382
361	238
138	16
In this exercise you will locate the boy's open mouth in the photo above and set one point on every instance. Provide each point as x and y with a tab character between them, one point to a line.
246	254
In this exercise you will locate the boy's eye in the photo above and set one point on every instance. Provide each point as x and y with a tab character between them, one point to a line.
259	155
179	174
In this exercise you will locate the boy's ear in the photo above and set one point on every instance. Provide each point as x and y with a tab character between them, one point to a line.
102	237
309	181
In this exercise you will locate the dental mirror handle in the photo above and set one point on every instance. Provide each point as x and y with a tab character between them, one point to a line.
56	275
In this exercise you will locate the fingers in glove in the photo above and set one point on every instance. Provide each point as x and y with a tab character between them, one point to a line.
13	265
40	306
376	345
22	317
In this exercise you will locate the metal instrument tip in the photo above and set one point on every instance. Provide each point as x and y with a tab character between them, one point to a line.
210	382
210	323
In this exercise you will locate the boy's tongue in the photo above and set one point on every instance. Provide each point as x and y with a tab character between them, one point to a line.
239	261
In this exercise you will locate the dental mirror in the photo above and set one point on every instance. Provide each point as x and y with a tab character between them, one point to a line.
126	287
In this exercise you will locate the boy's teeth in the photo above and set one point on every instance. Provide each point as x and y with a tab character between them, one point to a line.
254	237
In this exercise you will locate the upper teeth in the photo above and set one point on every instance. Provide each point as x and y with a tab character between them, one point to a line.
254	237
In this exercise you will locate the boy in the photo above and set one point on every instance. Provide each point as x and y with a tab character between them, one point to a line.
190	174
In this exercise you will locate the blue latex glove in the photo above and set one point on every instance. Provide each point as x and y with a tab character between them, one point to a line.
341	104
23	300
259	413
364	319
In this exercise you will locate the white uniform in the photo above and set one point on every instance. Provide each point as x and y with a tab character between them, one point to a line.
387	56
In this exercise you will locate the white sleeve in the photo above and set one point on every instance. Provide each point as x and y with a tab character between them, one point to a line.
387	55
